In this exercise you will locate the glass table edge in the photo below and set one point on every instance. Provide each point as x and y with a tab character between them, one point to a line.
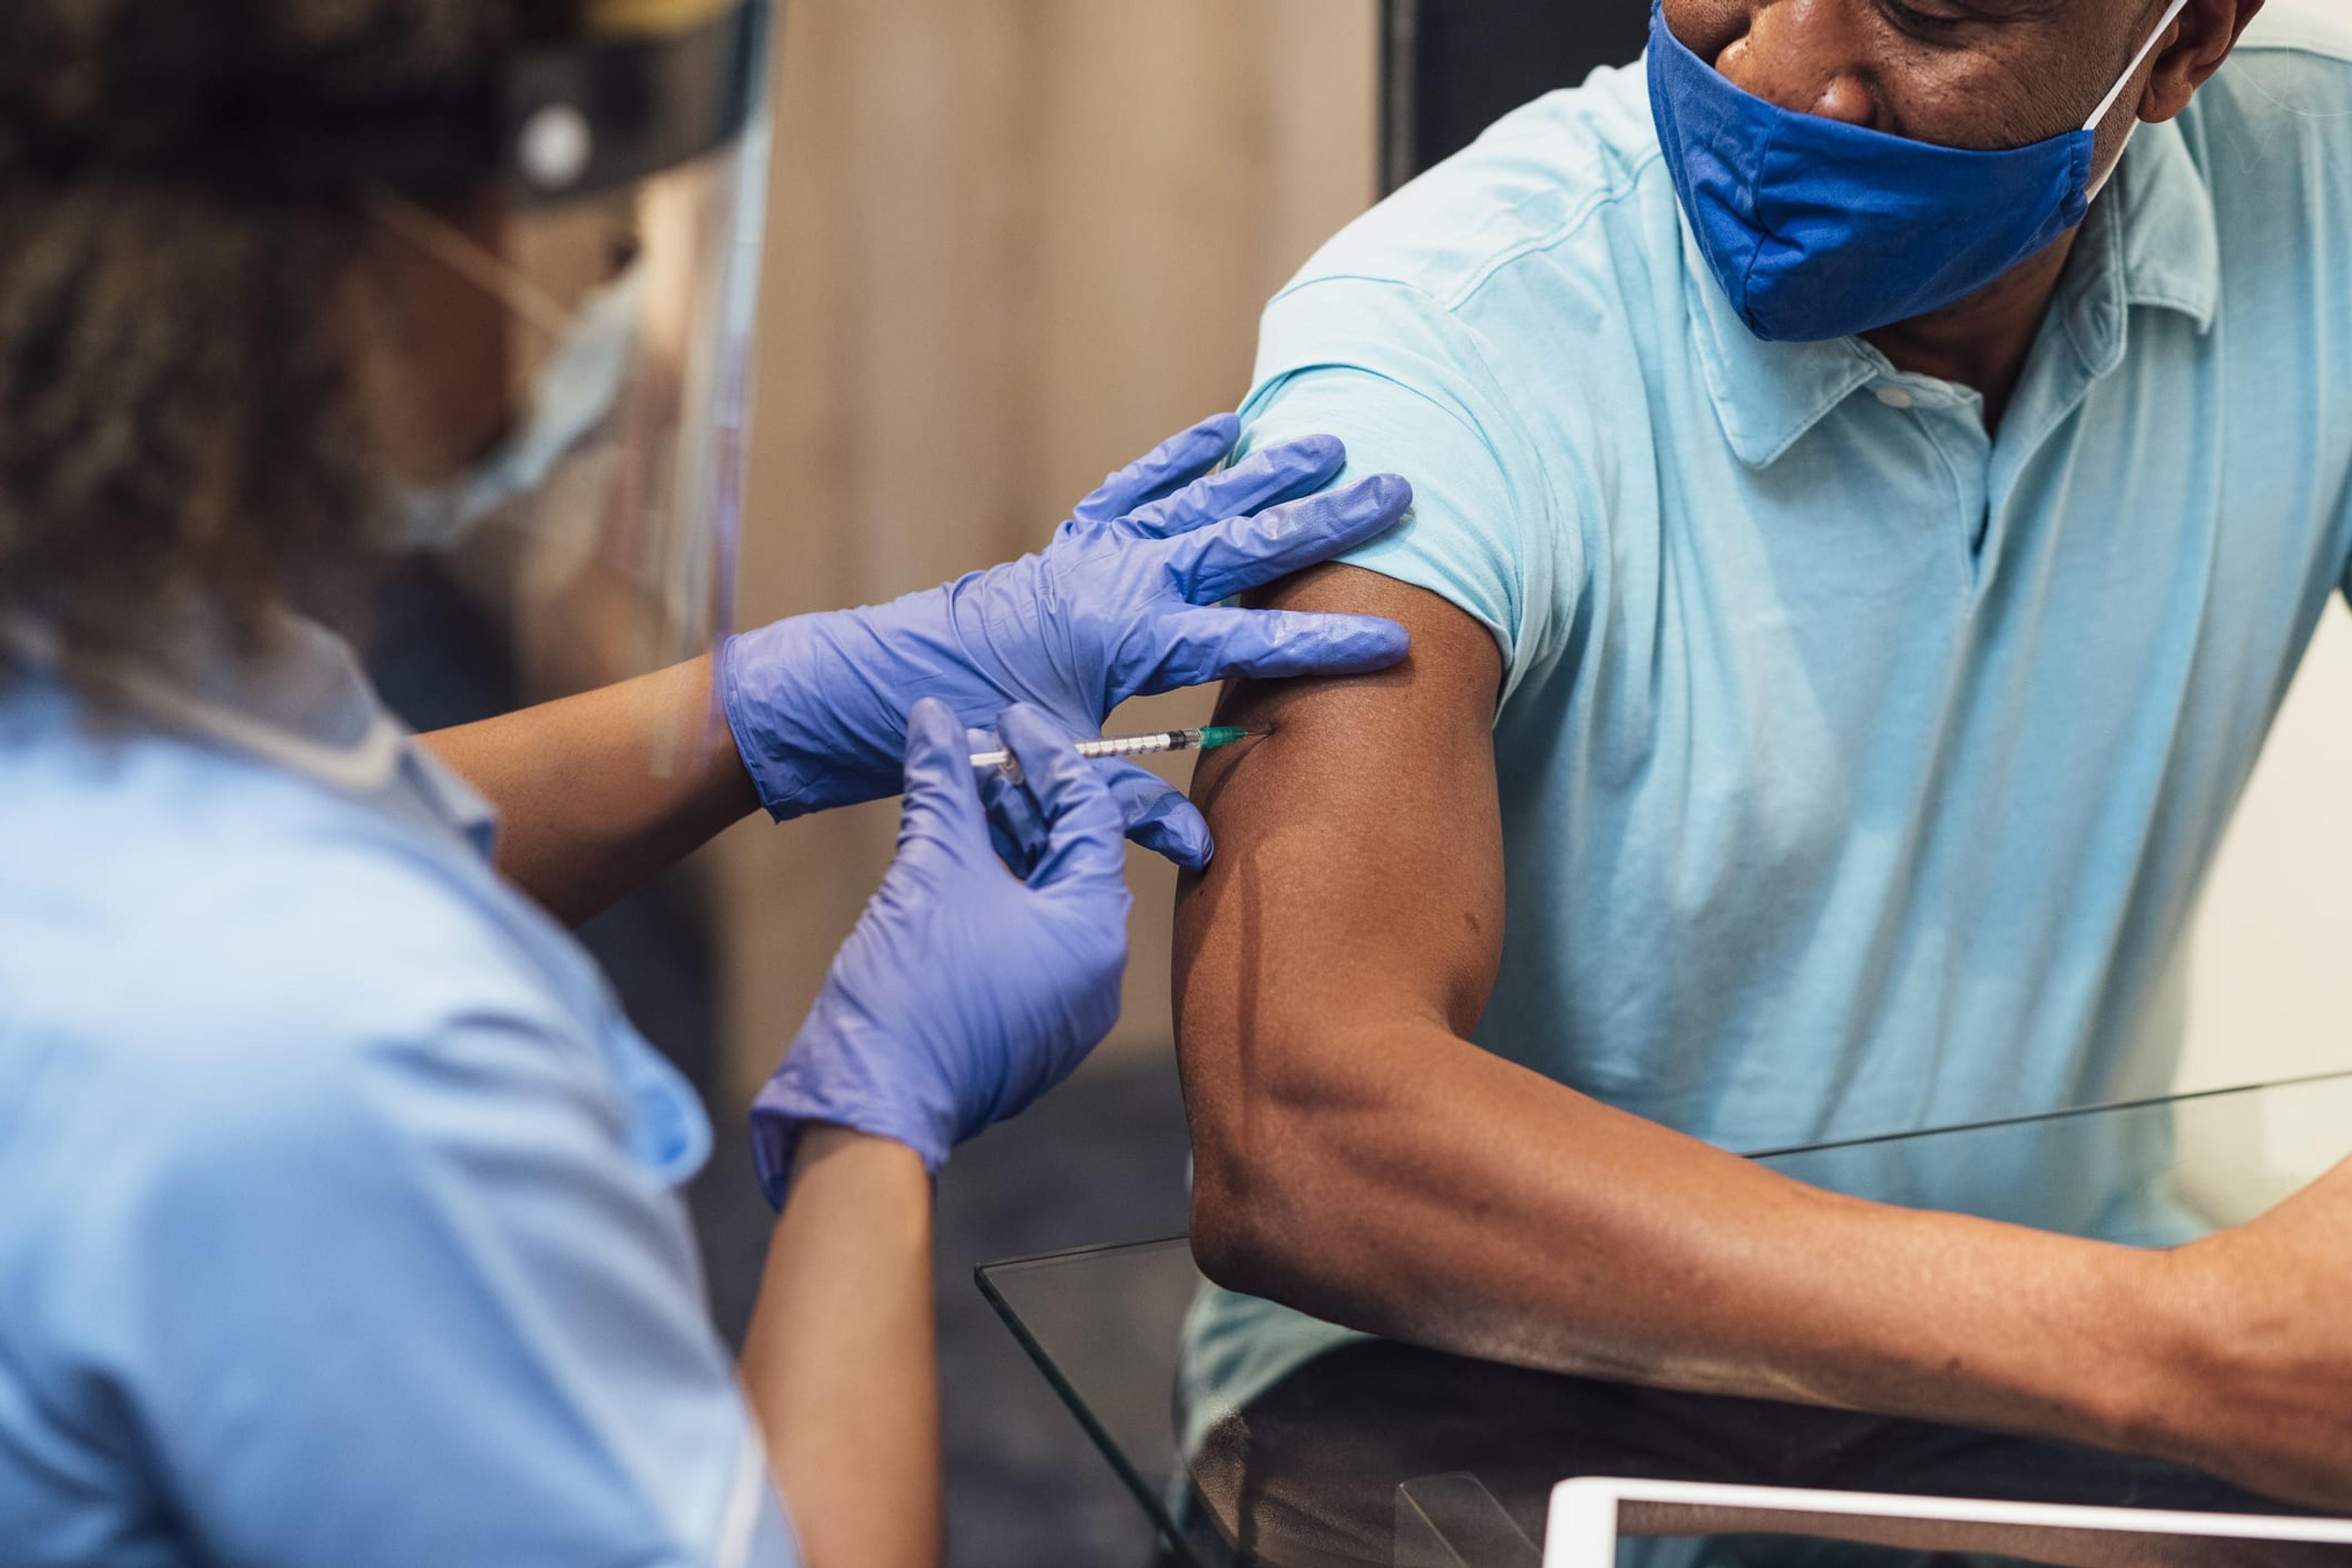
1063	1255
1155	1506
2071	1112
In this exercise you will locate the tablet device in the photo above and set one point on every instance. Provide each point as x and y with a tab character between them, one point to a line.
1606	1522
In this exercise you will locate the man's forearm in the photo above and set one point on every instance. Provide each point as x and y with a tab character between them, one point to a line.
598	792
1493	1212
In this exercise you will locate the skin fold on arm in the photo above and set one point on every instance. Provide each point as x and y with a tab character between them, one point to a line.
1358	1158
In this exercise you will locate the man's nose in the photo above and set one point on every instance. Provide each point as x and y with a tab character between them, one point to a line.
1805	56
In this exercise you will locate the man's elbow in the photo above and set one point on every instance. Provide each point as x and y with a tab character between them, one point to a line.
1270	1188
1238	1237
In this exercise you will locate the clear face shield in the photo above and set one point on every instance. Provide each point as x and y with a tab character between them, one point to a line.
580	337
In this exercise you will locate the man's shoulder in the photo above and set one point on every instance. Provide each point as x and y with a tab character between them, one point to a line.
2320	28
1478	331
1547	179
2271	136
2289	83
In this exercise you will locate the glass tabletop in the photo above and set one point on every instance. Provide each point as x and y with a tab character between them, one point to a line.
1252	1435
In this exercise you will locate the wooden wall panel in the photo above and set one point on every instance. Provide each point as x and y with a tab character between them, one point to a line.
1013	243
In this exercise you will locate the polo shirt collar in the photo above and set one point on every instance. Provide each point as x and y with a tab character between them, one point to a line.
2152	240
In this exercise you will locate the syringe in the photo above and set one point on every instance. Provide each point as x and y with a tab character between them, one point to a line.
1207	739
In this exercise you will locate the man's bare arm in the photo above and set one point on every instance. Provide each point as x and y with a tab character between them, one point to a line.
1358	1158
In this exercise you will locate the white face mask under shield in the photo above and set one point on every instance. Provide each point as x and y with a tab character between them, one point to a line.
572	394
599	530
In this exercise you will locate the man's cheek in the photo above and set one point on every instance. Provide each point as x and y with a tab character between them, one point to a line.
2006	95
1709	28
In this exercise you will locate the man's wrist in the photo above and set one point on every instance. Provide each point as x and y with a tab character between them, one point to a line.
2149	1396
2082	1340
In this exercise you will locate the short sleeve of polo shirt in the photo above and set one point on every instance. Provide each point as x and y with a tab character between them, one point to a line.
1387	369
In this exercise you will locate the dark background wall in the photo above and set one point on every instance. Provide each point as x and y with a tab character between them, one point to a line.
1451	68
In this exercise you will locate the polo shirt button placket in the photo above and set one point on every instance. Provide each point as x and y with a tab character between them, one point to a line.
1945	418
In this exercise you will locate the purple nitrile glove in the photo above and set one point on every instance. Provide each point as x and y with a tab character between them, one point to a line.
1124	602
965	991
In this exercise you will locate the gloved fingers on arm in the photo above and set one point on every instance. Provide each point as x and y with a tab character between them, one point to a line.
1170	465
941	813
1213	564
1261	479
1202	646
1158	816
1086	829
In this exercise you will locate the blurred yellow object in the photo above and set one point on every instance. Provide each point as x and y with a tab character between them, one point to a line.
612	19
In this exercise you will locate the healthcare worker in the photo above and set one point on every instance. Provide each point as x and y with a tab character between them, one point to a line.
337	1220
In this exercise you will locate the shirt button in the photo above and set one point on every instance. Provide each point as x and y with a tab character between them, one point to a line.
1894	397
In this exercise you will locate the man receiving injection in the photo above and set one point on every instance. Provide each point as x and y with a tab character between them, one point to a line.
1866	522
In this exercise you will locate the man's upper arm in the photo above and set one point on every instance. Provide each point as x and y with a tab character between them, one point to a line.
1358	882
1348	930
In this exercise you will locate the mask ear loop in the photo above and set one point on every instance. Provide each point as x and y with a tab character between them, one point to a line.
485	269
2107	104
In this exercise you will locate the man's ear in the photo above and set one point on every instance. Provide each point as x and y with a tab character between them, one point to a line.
2208	30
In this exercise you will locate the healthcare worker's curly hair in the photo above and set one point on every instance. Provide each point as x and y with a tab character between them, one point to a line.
180	407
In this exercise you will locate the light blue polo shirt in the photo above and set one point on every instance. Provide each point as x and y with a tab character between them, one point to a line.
336	1210
1858	770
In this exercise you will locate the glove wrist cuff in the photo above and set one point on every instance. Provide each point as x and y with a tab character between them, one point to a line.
776	1141
791	698
828	1076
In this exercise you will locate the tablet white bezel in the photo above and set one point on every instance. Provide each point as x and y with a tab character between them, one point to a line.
1581	1532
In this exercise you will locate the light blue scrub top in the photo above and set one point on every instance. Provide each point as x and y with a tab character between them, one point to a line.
1858	770
338	1224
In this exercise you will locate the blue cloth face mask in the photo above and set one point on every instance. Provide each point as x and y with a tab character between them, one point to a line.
1820	229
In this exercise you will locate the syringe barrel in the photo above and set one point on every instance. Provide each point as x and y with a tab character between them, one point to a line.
1109	746
1141	745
